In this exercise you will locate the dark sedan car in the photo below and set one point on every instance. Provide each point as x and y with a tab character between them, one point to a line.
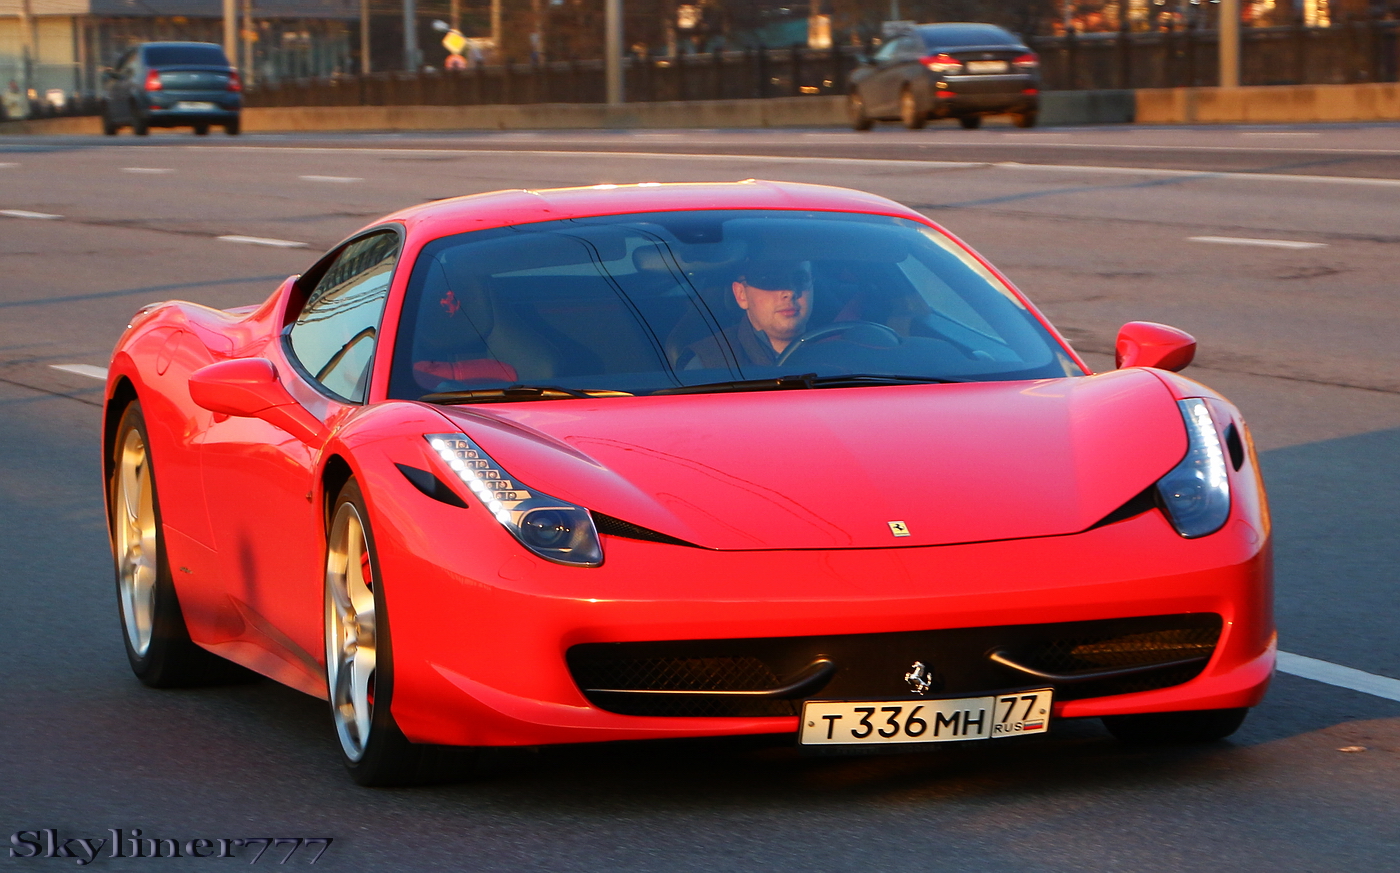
172	84
962	71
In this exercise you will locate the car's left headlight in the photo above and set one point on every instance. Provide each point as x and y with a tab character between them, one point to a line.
1196	493
554	529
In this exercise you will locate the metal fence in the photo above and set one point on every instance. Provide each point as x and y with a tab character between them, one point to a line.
1358	51
713	76
1346	53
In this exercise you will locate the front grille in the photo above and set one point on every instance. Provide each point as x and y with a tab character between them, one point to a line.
684	674
872	666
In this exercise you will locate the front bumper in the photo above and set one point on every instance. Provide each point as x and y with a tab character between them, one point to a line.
481	629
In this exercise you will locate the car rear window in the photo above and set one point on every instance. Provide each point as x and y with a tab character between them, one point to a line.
175	55
951	35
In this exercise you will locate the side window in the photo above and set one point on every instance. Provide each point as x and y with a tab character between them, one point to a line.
909	47
886	51
334	336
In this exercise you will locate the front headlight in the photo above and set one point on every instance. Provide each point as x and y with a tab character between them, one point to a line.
554	529
1196	493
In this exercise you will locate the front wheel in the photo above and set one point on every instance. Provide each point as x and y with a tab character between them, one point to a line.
913	116
1159	728
359	662
158	644
1024	119
109	127
232	128
970	122
201	130
855	107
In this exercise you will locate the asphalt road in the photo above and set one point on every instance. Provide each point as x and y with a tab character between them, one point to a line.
1096	225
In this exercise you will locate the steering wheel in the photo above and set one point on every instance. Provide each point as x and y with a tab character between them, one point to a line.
835	330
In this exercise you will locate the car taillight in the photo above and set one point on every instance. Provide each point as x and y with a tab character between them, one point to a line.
235	82
1027	61
942	63
153	81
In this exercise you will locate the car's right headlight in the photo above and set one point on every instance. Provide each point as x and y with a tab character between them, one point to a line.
554	529
1196	493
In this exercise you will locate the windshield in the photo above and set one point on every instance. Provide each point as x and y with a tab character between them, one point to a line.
655	302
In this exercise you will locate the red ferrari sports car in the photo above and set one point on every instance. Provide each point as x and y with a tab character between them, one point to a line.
629	462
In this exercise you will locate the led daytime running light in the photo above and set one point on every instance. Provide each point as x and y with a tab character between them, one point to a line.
1196	493
554	529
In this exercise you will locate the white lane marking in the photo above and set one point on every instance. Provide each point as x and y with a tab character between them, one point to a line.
1279	133
909	164
153	171
6	166
1268	243
82	370
264	241
24	213
1336	674
331	178
1199	174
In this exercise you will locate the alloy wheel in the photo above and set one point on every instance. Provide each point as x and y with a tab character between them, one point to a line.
351	637
134	523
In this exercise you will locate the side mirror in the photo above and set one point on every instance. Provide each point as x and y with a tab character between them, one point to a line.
249	388
1148	344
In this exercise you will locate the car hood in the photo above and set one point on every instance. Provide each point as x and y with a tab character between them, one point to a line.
847	467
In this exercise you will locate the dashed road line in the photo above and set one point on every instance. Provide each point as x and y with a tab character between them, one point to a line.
25	213
331	178
82	370
7	166
1336	674
1266	243
152	171
264	241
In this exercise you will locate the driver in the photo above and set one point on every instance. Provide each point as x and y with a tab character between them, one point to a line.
776	297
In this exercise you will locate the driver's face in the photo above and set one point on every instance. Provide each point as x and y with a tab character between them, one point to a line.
780	313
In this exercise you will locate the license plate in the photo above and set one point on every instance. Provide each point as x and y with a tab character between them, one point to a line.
986	66
192	106
877	722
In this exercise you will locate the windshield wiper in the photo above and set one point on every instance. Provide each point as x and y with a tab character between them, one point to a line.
878	379
514	393
806	380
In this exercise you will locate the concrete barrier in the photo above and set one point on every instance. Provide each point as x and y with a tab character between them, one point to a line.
1059	108
1270	104
54	126
775	112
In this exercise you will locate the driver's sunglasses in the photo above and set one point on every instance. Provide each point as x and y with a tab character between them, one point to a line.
780	280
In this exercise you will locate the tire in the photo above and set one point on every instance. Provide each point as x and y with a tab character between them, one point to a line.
970	122
109	127
910	113
157	642
139	126
855	107
232	128
1024	119
359	662
201	130
1163	728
